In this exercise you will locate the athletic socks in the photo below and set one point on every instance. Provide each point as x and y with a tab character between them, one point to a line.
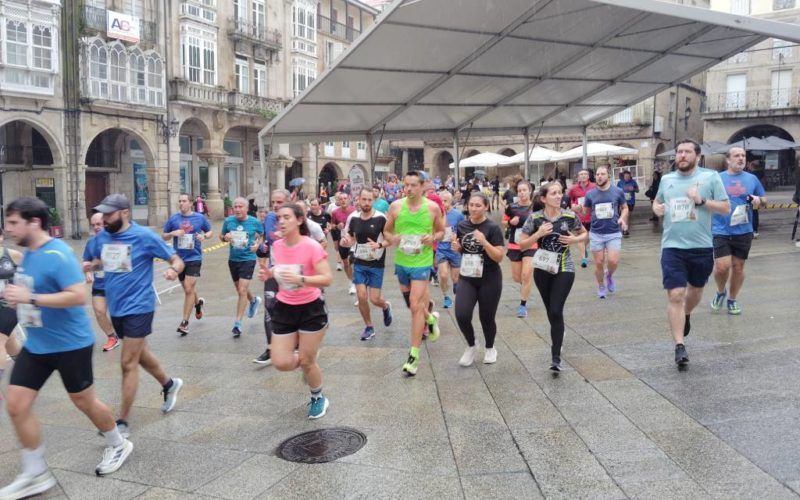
167	386
33	461
523	303
415	352
316	393
407	298
113	437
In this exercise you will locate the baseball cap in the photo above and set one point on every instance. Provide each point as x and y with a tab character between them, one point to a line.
112	203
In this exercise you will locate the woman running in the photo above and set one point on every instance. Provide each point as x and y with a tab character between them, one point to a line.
521	261
480	242
555	229
9	260
299	320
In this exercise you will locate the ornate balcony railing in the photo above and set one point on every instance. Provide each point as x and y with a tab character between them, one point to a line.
254	32
230	100
94	19
339	30
752	100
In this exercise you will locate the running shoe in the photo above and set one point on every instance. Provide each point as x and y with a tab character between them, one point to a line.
171	396
352	290
368	333
28	485
433	326
338	266
112	343
522	311
555	365
411	365
719	299
198	308
387	314
447	303
601	291
264	359
733	307
183	328
584	262
490	356
123	428
113	458
252	309
611	285
681	358
236	330
468	357
626	233
317	407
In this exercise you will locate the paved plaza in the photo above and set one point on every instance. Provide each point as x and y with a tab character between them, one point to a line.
619	422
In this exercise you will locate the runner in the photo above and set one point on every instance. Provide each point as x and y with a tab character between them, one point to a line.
244	234
630	187
480	243
609	213
555	229
448	260
126	250
414	223
734	233
686	199
318	215
521	262
49	294
338	220
364	234
577	194
9	260
187	230
98	282
496	192
380	204
300	318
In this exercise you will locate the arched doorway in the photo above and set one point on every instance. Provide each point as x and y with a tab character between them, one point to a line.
442	163
328	177
774	168
193	137
294	172
507	152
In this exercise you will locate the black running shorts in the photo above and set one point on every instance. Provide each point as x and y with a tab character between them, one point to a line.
303	318
75	367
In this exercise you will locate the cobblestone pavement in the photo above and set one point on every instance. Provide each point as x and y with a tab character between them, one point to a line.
620	422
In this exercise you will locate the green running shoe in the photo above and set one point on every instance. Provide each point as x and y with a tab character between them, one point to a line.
733	307
411	365
718	300
433	326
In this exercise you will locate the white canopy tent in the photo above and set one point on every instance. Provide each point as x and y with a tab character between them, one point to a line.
482	160
536	155
593	149
440	68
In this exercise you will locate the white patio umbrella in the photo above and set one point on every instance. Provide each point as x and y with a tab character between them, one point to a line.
594	149
483	160
538	154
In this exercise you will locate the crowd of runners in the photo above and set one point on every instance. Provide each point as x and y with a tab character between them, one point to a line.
437	232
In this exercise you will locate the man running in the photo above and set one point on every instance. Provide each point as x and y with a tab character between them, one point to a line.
630	187
338	220
686	199
244	233
126	250
577	194
609	214
50	294
99	289
318	215
187	230
734	232
448	261
413	224
364	234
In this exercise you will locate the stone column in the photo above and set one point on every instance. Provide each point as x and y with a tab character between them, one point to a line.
214	159
405	162
279	166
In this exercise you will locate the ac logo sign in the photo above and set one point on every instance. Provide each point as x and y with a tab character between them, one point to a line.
122	27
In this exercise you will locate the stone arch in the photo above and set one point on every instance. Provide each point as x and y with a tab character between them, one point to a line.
774	168
56	149
441	163
293	172
196	125
471	152
147	146
329	175
507	152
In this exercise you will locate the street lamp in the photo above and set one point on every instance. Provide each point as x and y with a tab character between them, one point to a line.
168	129
687	113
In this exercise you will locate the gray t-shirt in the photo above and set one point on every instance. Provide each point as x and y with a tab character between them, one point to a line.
566	222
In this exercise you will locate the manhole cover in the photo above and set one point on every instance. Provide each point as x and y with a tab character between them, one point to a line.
321	446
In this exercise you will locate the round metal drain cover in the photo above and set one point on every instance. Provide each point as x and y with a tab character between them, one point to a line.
321	446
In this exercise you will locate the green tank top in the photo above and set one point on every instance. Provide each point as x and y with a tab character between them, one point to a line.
411	226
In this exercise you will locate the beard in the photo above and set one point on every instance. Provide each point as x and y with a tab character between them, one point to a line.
685	167
113	227
24	242
602	184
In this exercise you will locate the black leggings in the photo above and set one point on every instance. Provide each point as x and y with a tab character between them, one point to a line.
485	292
554	289
270	291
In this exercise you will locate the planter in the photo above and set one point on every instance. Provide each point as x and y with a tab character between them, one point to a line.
57	231
228	211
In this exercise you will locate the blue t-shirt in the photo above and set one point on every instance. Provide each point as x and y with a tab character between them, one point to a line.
738	187
244	235
191	225
685	225
52	268
99	282
453	218
605	207
128	266
629	188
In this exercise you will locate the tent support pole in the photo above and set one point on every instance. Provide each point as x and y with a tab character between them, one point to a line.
263	173
585	163
457	161
372	159
527	142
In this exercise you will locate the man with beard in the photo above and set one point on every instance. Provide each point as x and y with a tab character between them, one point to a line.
99	289
126	250
734	232
318	215
339	219
686	199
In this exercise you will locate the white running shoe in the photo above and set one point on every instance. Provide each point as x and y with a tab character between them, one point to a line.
490	356
352	290
171	396
468	357
28	485
113	458
338	266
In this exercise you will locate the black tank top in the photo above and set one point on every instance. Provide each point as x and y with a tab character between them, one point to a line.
7	265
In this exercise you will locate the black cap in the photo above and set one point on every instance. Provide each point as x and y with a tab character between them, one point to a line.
112	203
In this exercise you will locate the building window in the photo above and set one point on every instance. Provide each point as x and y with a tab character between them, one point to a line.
131	77
304	71
781	50
240	10
259	16
42	48
782	4
260	79
740	58
781	88
242	79
118	68
304	27
209	62
202	10
199	55
16	43
741	7
736	92
98	70
28	48
138	80
155	81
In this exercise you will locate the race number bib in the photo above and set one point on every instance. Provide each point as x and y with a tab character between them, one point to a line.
448	234
186	242
364	252
629	196
98	275
239	239
546	261
518	235
28	315
116	258
740	216
682	210
581	200
411	244
286	268
471	265
604	210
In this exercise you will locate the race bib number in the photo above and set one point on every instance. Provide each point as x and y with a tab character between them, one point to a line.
581	200
518	235
546	261
29	316
682	210
740	216
239	239
186	242
411	244
364	252
471	265
629	196
448	234
604	210
98	275
278	271
116	258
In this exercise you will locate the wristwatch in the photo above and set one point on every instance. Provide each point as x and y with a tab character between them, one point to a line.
33	299
702	202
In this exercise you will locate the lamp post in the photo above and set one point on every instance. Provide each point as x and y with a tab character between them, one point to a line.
168	129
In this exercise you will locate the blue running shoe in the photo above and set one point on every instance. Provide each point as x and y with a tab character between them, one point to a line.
719	299
236	330
522	311
317	407
368	333
387	314
733	307
252	309
447	303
